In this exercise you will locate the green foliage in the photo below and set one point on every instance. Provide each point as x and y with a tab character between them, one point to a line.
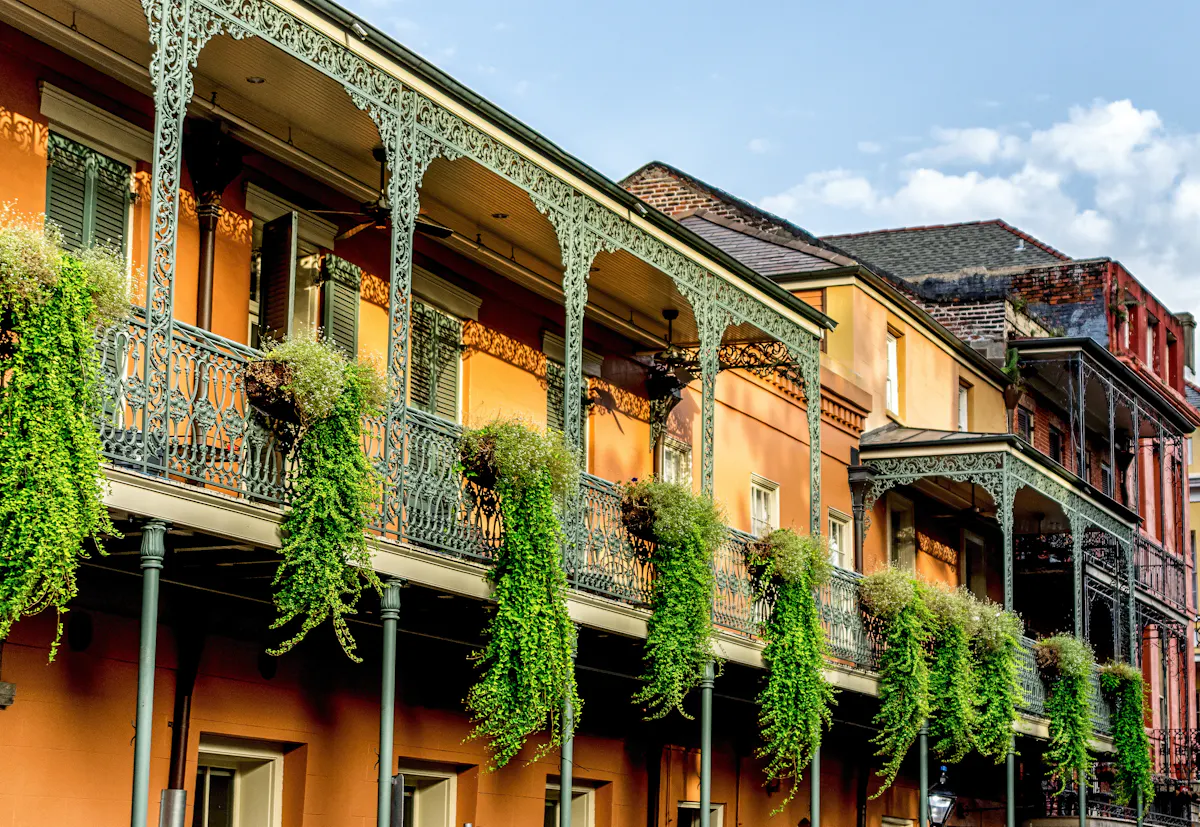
319	377
1122	683
679	633
1067	663
51	498
952	678
796	705
894	599
326	559
522	455
1011	369
528	671
995	645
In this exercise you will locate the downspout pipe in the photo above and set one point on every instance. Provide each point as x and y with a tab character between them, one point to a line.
189	640
390	613
152	553
706	696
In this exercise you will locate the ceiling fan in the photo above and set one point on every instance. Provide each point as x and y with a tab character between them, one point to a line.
377	214
671	369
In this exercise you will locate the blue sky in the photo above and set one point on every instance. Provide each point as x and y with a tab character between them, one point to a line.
1078	122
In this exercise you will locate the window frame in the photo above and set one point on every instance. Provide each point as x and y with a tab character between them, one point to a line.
444	786
845	525
716	811
588	794
899	503
1025	412
964	406
1055	434
458	373
771	489
221	751
675	445
892	368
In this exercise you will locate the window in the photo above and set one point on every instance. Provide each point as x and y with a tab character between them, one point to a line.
675	461
893	373
429	797
87	195
839	539
964	407
583	806
1106	478
434	360
902	544
1025	424
1056	445
239	783
688	814
764	505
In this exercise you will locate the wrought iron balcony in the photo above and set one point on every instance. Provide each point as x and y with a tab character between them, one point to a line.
1161	573
214	439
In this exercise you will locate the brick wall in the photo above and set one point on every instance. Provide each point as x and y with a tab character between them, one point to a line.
674	195
971	321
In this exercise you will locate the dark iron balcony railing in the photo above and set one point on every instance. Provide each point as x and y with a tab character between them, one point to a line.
214	439
1161	572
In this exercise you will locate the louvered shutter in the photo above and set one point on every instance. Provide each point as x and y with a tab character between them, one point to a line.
66	190
449	355
420	357
556	411
342	283
87	194
277	276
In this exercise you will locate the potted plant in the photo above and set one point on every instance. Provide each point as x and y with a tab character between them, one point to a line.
1013	391
637	513
267	383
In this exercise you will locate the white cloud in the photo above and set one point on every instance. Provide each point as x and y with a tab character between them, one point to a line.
1108	179
869	147
759	146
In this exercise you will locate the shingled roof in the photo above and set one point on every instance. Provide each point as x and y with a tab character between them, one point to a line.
772	254
911	252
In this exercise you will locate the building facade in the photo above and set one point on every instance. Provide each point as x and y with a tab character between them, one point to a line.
274	166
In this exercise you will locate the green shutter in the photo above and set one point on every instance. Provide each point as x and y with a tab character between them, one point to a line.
277	276
87	194
556	411
435	348
342	284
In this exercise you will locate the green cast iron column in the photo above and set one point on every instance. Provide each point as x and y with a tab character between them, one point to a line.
706	691
1010	793
923	776
814	788
566	769
1082	802
153	551
390	613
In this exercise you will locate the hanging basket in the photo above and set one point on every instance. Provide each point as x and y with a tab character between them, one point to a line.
478	462
266	382
758	556
638	517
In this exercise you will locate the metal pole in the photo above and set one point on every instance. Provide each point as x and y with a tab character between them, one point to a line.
706	692
1010	772
923	776
814	788
390	613
566	766
1082	801
1140	810
153	551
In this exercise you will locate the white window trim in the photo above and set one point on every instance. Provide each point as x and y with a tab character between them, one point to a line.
218	747
847	523
716	811
437	292
892	379
679	446
905	504
964	407
266	206
770	486
555	348
449	790
589	794
90	125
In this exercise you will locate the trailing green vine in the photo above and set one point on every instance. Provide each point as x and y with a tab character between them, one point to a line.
527	660
1067	663
51	484
894	598
687	530
1122	683
996	646
326	560
795	707
952	678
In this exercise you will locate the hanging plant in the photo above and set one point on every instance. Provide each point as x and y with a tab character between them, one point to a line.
685	530
893	598
326	560
1066	664
1122	684
952	678
528	672
51	483
995	646
795	708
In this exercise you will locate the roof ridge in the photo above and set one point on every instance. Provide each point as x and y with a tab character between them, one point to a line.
999	222
777	238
